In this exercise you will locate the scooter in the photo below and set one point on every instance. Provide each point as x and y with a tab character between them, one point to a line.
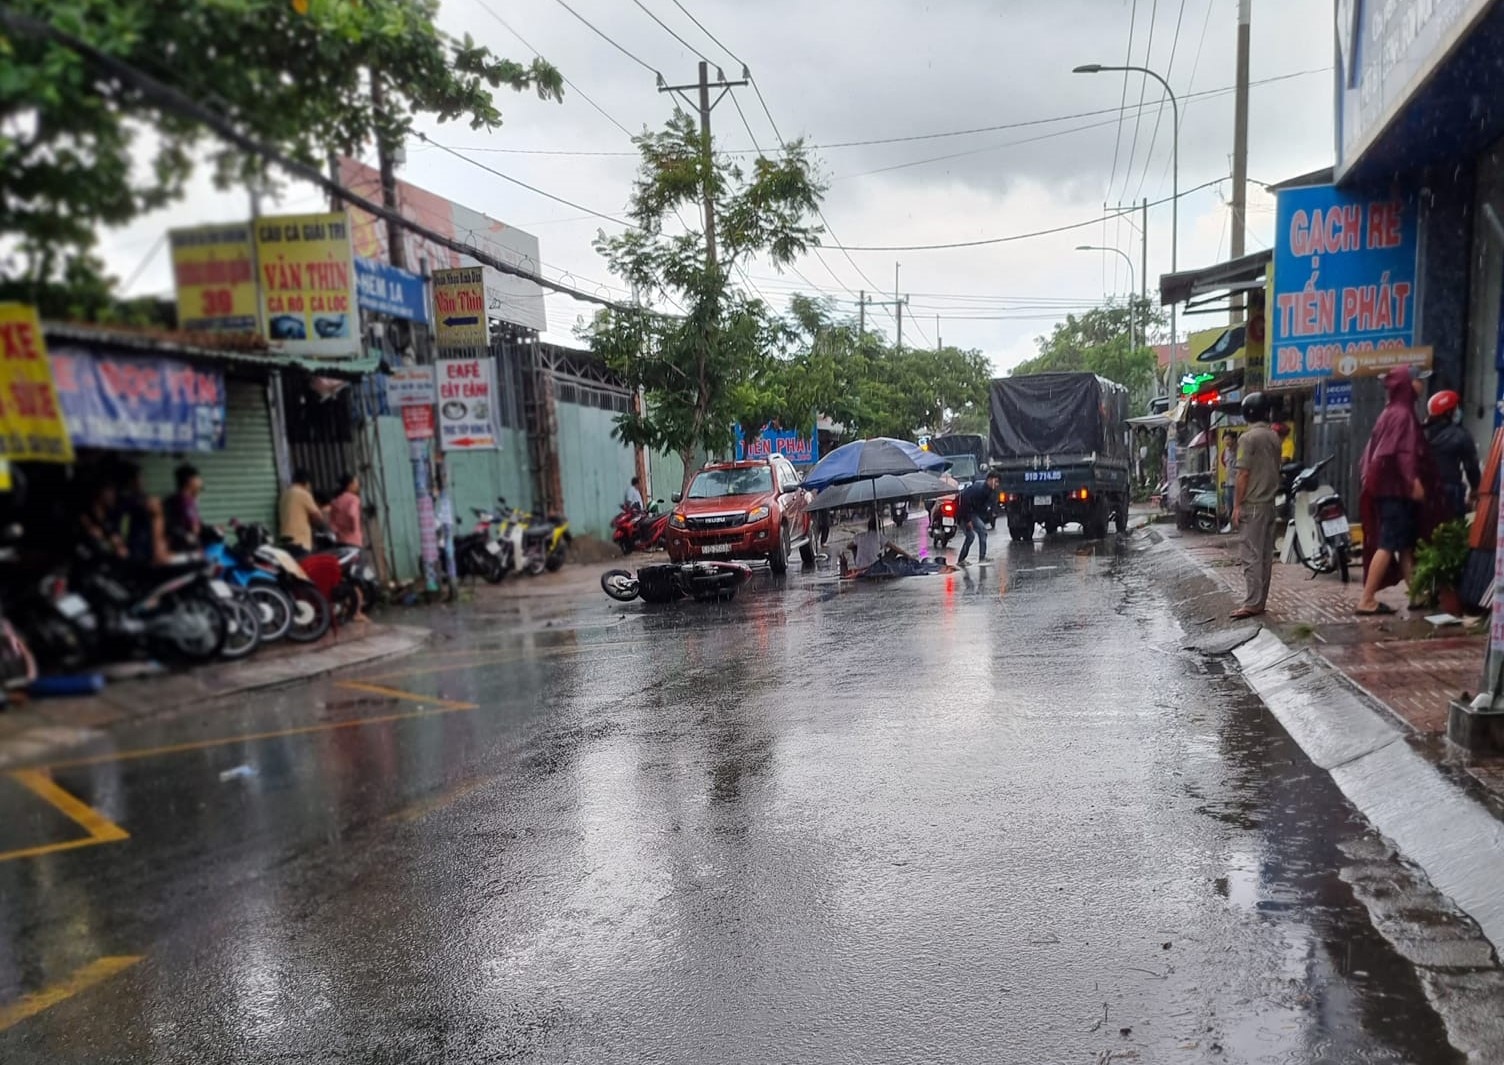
311	615
533	546
172	611
1204	510
238	568
669	581
635	529
1317	532
943	521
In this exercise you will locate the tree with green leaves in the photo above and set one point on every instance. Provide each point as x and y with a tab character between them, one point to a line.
714	364
1099	342
81	149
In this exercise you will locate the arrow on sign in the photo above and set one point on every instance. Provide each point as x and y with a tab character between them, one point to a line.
453	321
471	441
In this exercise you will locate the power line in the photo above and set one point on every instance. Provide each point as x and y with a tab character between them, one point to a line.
701	26
523	184
611	41
1117	142
177	102
1023	236
1188	96
670	30
1143	90
1160	114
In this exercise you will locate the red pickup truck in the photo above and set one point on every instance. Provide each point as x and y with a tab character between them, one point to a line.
747	510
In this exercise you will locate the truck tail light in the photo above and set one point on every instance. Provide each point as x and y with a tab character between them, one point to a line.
1081	493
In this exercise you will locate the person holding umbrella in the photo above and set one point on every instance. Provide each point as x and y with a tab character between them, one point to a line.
974	506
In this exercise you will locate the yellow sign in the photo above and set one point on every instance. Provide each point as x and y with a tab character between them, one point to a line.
307	272
216	278
459	303
31	422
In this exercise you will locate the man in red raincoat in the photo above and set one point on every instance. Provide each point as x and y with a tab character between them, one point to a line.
1393	469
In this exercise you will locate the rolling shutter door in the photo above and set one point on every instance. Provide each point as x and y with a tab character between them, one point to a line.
240	481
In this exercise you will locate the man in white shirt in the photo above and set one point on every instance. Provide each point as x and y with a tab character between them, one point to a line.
633	498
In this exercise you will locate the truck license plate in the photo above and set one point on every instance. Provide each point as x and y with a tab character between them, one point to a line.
716	549
1044	501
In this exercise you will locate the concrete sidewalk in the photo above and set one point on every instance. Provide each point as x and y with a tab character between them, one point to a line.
1400	661
42	727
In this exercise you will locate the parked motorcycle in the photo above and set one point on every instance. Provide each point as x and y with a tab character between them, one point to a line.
533	545
311	616
1317	532
1204	510
669	581
356	587
258	584
635	529
167	611
479	553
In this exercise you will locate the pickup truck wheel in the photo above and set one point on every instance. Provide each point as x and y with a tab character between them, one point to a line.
778	561
807	553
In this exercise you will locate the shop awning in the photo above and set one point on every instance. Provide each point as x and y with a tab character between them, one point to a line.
247	355
1151	421
1214	282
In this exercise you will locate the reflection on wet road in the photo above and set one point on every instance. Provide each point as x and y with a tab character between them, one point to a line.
989	816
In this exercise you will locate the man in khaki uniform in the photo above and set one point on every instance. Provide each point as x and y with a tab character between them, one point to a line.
1253	502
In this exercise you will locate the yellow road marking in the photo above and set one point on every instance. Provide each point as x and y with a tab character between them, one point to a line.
94	973
100	828
501	658
396	693
442	706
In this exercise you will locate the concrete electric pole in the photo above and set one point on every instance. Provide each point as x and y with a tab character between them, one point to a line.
703	104
1240	148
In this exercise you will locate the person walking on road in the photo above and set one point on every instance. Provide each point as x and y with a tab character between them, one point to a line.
974	506
1455	453
1253	502
1391	471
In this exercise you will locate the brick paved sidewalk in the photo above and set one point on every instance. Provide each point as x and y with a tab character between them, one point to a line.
1400	660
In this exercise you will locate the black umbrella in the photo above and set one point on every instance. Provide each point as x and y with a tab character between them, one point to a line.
886	489
864	459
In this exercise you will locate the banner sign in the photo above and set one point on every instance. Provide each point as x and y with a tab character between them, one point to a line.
417	422
140	402
459	307
411	386
387	290
307	274
1380	361
467	404
1344	281
793	445
215	278
31	422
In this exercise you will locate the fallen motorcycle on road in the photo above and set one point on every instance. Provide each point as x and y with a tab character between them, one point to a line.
667	582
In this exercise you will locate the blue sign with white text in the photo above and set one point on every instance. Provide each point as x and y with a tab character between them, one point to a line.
388	290
139	402
793	445
1344	281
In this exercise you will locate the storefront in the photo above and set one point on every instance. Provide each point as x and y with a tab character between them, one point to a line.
161	404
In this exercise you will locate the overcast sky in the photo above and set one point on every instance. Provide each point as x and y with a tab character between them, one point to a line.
834	71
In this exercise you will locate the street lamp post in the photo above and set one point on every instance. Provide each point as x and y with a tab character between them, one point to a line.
1098	68
1131	285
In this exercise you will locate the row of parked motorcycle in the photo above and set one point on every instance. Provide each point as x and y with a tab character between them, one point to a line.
507	540
241	591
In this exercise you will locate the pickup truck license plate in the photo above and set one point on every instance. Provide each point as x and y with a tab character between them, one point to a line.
1335	527
716	549
1044	501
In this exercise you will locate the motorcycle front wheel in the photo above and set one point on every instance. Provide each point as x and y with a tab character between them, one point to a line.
242	627
619	584
193	630
1320	561
311	616
275	609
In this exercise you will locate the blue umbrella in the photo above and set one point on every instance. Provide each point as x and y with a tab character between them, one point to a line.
879	456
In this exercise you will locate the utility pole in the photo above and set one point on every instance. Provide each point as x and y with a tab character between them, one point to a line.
864	303
396	249
861	317
898	306
938	344
704	105
1240	148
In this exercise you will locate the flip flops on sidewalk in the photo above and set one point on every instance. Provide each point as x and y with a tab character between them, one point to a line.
1378	611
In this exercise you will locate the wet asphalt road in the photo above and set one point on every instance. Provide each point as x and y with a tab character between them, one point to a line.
994	816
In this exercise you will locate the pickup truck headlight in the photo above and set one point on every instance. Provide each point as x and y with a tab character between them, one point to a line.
677	520
758	513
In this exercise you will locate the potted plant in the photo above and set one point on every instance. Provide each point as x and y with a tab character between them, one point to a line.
1439	562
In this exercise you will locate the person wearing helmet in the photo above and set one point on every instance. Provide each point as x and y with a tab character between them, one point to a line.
1253	502
1455	453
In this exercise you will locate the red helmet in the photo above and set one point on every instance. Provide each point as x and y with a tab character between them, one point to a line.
1443	403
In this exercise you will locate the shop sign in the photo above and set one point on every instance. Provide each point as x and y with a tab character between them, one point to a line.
411	386
1334	401
32	428
140	402
1344	282
459	306
417	422
802	449
1380	361
307	274
215	278
467	404
387	290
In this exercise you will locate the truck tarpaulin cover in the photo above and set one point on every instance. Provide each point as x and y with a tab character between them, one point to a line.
958	444
1058	414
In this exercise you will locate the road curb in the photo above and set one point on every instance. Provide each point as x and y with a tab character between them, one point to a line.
52	733
1453	837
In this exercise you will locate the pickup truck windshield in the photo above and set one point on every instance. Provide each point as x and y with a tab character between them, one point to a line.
713	484
963	467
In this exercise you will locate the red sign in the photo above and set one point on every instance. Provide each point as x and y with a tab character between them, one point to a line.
417	422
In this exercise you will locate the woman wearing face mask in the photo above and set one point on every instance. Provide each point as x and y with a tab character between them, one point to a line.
1455	453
